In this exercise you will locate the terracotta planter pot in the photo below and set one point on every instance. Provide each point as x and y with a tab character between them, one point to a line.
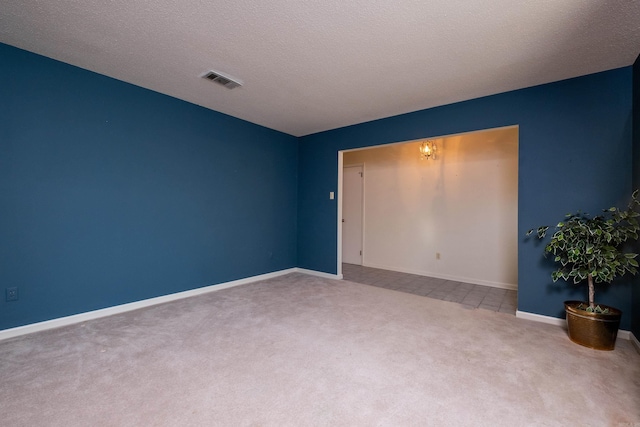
593	330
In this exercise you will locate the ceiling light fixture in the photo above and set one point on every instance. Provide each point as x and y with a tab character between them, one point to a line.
428	150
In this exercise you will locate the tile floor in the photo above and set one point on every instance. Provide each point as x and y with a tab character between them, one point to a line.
469	295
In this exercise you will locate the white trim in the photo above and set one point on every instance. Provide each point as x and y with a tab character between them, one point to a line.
622	334
625	335
340	185
540	318
362	210
122	308
318	273
500	285
635	341
387	144
408	141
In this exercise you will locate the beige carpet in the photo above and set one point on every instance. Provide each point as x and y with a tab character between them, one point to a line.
304	351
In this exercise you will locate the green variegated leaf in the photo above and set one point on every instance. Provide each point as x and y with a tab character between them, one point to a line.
585	245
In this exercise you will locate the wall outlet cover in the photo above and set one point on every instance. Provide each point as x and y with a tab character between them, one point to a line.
11	294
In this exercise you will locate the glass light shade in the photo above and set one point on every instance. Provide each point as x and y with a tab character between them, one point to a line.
427	150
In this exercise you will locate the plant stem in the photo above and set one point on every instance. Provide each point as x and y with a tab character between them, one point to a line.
591	291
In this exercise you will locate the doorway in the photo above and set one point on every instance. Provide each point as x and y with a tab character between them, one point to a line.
421	215
352	214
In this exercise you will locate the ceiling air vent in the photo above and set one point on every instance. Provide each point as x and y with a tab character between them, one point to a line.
221	79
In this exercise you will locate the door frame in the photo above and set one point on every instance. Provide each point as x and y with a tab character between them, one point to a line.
339	213
340	182
339	219
341	203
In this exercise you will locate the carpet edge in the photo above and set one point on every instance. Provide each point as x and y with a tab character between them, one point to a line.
123	308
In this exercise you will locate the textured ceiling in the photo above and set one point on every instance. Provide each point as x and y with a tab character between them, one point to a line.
309	66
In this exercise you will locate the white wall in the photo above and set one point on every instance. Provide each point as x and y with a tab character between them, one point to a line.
462	205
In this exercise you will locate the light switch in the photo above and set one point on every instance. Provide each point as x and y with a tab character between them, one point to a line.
331	196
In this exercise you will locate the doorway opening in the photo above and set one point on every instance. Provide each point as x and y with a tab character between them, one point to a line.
451	217
353	214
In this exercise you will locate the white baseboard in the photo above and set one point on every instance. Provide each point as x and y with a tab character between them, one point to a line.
625	335
471	280
109	311
622	334
540	318
318	273
635	342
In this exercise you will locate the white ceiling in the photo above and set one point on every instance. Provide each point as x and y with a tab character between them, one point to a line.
309	66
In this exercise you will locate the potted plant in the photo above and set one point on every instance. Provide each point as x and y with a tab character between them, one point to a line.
591	249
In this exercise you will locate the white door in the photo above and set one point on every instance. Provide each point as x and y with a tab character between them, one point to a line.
352	214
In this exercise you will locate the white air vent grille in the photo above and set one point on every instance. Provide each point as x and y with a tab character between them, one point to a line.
221	79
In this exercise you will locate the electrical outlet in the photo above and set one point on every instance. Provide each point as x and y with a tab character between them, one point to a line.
12	294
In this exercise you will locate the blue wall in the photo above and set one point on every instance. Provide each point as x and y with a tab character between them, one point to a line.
635	320
574	153
110	193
